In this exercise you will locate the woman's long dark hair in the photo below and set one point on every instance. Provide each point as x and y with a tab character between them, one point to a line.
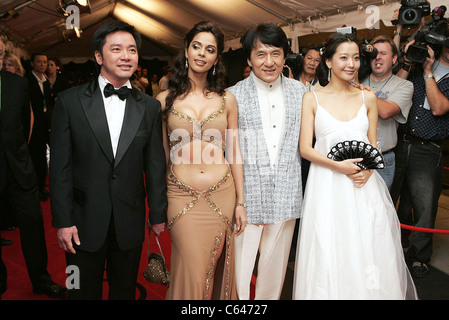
327	52
180	83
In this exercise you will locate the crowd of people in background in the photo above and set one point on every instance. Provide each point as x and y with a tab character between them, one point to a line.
222	216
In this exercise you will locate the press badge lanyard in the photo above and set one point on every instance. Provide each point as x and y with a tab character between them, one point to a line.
378	93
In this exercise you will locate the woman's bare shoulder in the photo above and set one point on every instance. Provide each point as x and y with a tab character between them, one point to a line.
370	97
161	98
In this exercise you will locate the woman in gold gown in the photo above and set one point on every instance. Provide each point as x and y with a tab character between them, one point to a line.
206	204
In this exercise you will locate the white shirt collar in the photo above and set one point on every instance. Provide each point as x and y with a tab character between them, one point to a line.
39	79
115	112
267	86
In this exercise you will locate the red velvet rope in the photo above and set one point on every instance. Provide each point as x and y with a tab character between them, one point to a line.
404	226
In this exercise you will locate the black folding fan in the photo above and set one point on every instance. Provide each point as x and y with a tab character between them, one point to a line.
372	158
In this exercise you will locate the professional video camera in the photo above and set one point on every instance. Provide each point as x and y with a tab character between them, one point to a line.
293	60
411	12
367	52
432	34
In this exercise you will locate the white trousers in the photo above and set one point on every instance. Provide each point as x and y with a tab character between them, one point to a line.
273	241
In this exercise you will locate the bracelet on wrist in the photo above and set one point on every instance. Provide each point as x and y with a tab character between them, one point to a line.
242	204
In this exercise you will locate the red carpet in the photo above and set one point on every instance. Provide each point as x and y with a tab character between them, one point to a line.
19	285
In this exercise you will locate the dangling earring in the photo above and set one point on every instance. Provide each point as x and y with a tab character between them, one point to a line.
187	63
213	71
329	75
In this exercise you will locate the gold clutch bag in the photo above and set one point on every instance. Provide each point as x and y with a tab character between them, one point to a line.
156	271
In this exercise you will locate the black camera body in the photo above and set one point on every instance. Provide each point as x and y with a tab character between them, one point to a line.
293	60
411	12
367	52
432	34
418	52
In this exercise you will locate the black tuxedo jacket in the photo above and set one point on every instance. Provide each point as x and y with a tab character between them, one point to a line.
88	185
39	100
61	84
15	124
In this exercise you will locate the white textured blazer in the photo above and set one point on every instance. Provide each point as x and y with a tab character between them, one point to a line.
272	194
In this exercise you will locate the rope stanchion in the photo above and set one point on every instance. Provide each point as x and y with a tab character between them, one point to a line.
404	226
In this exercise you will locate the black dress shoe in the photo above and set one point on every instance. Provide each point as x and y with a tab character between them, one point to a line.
53	291
419	269
4	242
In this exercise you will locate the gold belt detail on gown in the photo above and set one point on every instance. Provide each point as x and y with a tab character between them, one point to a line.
218	239
196	195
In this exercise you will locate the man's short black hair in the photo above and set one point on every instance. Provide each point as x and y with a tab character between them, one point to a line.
267	33
104	30
35	54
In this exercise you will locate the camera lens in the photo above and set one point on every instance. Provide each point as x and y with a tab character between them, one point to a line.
409	15
417	53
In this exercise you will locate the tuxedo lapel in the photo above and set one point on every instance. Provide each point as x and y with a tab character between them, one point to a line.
131	122
253	110
254	121
93	105
3	92
290	118
7	89
35	84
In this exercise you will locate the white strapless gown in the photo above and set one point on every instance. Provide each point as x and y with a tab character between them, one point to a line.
349	245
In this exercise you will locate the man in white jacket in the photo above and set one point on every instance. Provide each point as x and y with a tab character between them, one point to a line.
269	121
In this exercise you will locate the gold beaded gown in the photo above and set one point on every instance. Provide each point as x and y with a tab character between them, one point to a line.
200	222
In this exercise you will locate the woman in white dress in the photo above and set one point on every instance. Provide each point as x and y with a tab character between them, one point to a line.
349	243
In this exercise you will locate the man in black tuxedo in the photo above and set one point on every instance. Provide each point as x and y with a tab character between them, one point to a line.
3	273
18	179
40	93
106	152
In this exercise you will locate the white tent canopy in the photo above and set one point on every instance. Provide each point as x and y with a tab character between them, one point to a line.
38	25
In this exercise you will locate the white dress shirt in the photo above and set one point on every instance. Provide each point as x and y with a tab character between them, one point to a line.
40	82
115	112
272	110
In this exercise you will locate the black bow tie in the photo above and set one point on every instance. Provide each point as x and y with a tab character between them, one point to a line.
122	92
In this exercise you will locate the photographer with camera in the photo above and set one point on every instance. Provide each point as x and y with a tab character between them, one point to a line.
393	100
419	165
